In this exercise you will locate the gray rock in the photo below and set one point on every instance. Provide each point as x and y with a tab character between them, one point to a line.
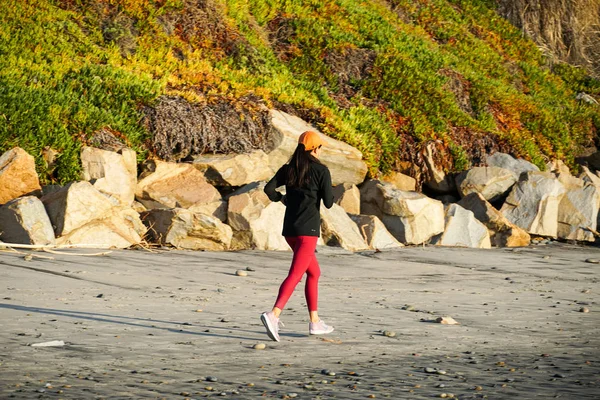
506	161
491	182
24	221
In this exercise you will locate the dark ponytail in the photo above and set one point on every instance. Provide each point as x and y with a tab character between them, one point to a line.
298	174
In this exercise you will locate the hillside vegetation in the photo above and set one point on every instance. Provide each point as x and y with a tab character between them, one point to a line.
386	76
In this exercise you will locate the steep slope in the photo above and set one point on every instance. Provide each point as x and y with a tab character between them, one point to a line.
175	78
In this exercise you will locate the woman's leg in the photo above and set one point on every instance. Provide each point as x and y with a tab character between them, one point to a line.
311	288
304	257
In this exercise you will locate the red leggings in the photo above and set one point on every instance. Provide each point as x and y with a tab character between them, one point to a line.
304	261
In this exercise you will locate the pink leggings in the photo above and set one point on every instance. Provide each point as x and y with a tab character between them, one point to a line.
304	261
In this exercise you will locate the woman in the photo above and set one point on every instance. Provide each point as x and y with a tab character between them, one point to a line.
307	182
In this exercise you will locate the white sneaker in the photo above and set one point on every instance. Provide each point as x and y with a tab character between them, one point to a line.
319	328
271	323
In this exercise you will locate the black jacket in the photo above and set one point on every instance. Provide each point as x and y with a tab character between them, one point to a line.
302	213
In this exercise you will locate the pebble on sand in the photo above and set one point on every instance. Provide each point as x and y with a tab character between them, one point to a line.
584	310
446	321
389	333
240	272
592	261
259	346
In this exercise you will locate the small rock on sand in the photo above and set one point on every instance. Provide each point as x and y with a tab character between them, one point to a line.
240	272
584	310
389	333
592	261
259	346
446	321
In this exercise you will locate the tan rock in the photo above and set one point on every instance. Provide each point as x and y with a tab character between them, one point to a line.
446	321
589	177
375	233
578	213
411	217
491	182
400	181
217	209
503	233
436	179
76	205
250	210
463	230
24	221
347	196
234	169
533	203
344	161
170	185
338	229
111	172
17	175
120	228
185	229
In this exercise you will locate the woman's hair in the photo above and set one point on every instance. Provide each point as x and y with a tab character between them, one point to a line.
298	174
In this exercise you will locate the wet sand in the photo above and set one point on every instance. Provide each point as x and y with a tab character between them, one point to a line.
166	324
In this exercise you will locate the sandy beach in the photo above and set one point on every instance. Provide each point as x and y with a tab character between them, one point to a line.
181	324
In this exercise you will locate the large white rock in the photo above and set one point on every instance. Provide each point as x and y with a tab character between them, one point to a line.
256	221
120	228
75	205
110	172
170	185
463	230
578	213
533	203
344	161
491	182
411	217
375	233
24	220
234	169
506	161
503	233
17	175
185	229
338	229
347	196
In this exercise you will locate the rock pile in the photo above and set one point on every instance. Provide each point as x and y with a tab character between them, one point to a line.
217	202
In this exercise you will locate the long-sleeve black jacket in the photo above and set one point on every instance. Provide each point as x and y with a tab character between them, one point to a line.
302	214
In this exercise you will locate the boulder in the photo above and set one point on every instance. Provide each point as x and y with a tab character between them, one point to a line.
506	161
347	196
435	178
344	161
256	221
503	233
590	177
375	233
24	221
169	185
217	209
234	169
578	213
491	182
533	203
338	229
120	228
411	217
112	173
558	167
463	230
185	229
75	205
17	175
400	181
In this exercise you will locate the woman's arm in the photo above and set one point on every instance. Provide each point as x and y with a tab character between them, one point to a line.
274	183
326	189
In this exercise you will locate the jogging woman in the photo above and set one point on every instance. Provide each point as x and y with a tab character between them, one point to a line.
307	182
